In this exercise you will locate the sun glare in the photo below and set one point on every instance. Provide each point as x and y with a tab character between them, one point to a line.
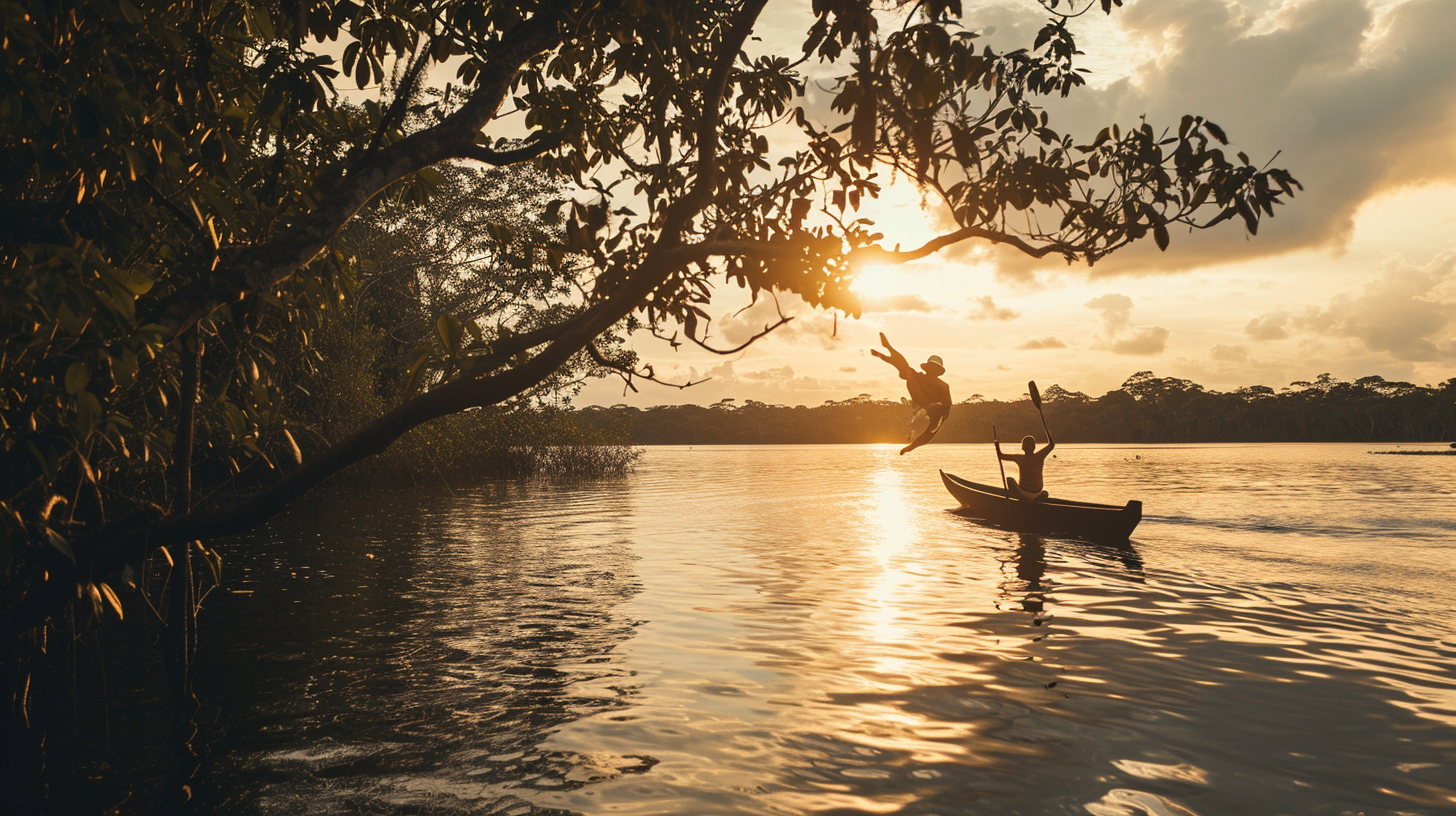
873	282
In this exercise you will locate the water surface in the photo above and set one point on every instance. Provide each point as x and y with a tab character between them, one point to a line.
799	630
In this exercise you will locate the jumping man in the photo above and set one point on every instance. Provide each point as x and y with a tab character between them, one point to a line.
927	390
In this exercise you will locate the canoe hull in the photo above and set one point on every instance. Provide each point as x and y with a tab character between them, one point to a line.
1093	522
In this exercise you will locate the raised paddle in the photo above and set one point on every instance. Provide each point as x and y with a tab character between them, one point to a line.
1036	400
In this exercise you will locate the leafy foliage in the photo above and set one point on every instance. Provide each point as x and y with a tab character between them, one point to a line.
185	190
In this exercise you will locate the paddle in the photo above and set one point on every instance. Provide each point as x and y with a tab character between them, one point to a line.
1004	486
1036	400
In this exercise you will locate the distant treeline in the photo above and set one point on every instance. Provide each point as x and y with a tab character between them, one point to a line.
1145	408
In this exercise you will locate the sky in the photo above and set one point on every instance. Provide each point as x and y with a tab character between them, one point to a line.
1356	276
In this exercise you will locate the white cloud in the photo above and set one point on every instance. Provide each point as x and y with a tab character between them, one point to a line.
898	303
986	309
1118	333
1271	326
1148	340
1406	312
1228	354
1356	97
1042	343
1116	311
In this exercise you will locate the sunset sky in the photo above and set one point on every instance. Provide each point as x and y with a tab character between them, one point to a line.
1356	276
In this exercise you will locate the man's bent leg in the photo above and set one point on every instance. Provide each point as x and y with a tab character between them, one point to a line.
1017	492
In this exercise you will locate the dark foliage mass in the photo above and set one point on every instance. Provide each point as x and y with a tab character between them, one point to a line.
190	208
1144	409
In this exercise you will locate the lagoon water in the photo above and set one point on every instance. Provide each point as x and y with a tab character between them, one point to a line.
808	630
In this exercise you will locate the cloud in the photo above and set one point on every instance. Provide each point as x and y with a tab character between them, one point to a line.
1228	354
1118	333
1116	311
898	303
1359	96
1270	326
847	369
780	374
1042	343
1405	312
986	309
1147	340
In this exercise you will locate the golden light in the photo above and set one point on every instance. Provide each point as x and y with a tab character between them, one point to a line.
873	282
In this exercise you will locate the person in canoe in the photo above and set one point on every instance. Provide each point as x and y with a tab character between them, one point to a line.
928	392
1029	465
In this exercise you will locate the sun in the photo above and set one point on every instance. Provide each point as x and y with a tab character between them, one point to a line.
874	282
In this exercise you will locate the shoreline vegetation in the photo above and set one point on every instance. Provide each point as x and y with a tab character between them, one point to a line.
494	443
1144	409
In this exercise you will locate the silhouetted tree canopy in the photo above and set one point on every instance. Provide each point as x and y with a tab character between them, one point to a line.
178	178
1145	409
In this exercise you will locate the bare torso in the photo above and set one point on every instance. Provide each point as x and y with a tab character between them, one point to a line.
1029	468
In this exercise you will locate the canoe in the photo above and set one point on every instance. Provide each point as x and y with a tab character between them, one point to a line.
1093	522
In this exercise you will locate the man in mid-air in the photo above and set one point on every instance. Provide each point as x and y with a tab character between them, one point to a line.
928	391
1029	465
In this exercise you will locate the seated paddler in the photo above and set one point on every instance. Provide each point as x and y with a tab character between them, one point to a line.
1029	465
928	392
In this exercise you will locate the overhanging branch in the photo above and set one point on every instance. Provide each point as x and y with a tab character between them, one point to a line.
876	254
262	266
516	155
703	344
629	373
746	343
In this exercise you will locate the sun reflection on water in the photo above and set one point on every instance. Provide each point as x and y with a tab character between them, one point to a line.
891	529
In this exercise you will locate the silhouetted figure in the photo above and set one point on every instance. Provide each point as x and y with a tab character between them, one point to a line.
1029	464
928	392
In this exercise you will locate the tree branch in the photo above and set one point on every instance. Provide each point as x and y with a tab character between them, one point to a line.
703	344
395	114
262	266
877	254
501	158
684	208
128	541
628	373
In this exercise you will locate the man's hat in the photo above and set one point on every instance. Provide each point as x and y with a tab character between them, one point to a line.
934	362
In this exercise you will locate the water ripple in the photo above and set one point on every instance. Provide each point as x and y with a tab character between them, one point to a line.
806	630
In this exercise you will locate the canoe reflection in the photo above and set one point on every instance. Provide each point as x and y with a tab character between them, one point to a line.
1026	582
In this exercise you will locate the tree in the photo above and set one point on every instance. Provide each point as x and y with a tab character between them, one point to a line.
176	177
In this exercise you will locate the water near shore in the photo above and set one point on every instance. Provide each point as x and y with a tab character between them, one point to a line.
797	630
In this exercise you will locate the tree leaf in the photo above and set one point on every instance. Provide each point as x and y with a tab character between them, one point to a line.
111	598
78	375
59	541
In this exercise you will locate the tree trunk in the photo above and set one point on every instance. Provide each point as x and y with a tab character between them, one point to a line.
179	637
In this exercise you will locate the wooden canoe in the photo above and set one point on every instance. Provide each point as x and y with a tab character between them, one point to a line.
1093	522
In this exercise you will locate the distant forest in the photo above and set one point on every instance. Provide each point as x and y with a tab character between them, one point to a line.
1146	408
